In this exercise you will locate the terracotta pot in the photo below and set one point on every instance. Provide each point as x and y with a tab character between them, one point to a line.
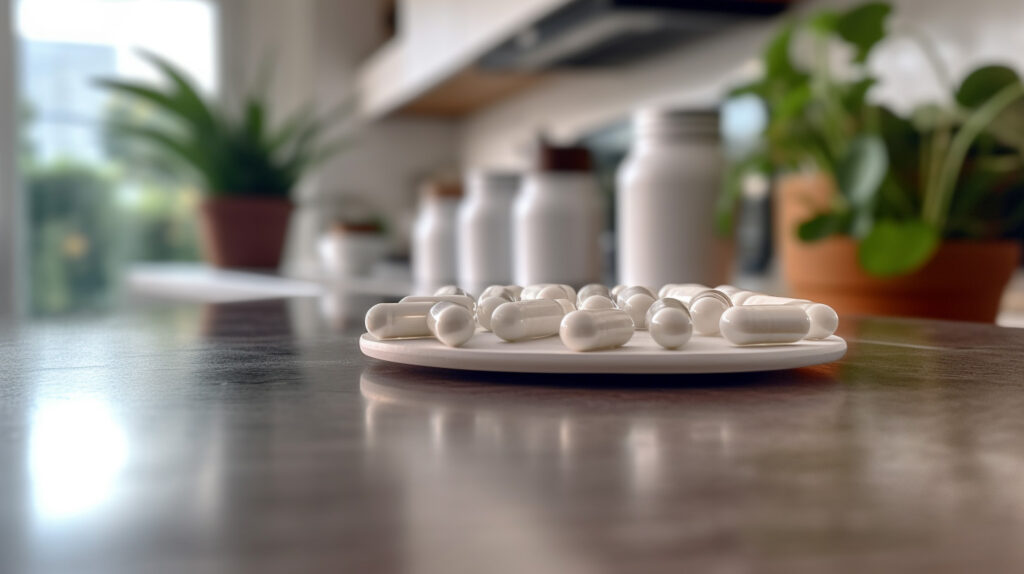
963	281
244	232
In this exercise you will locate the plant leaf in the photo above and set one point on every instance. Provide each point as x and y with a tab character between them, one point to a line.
861	170
167	142
254	120
864	26
856	94
824	22
777	63
980	85
903	144
897	247
187	96
147	93
860	174
978	88
793	102
819	227
234	154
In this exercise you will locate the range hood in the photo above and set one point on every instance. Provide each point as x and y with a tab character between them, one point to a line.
598	33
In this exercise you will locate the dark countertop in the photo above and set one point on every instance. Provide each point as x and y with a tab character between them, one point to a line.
255	438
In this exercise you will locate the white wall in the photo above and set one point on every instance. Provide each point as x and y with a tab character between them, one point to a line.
696	75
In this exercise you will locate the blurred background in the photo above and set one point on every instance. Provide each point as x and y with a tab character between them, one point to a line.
394	109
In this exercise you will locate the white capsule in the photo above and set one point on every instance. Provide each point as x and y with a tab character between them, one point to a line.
570	293
451	290
590	290
764	324
464	300
632	290
637	305
706	310
593	330
670	327
762	299
554	291
729	290
595	302
516	291
661	304
495	291
614	291
521	320
740	297
680	290
485	308
451	323
398	320
530	291
824	320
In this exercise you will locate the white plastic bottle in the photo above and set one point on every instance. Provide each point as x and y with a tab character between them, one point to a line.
665	200
433	237
558	220
485	230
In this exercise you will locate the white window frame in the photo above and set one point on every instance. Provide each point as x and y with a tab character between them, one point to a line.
12	280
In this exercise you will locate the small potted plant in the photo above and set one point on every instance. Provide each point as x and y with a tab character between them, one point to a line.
880	213
247	167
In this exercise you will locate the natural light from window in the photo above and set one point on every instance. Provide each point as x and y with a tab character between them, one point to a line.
93	203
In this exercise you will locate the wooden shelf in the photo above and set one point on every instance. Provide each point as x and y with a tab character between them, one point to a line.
431	67
468	91
428	68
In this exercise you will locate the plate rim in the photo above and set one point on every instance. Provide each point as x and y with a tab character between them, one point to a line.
769	358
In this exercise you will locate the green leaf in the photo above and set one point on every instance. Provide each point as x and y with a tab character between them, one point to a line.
794	102
254	120
856	95
980	85
824	22
820	226
147	93
777	64
234	153
861	170
931	116
753	88
860	174
902	142
187	96
176	146
897	247
864	26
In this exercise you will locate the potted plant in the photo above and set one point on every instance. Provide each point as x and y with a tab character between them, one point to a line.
878	212
246	167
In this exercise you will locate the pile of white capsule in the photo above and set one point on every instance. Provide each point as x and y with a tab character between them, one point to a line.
597	318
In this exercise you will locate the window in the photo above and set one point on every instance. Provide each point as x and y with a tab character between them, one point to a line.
92	205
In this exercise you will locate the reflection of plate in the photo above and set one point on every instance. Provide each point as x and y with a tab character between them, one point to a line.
485	352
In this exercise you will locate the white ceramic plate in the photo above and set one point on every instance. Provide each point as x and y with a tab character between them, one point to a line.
486	352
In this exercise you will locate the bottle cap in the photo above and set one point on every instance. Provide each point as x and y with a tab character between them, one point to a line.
441	188
563	158
684	123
